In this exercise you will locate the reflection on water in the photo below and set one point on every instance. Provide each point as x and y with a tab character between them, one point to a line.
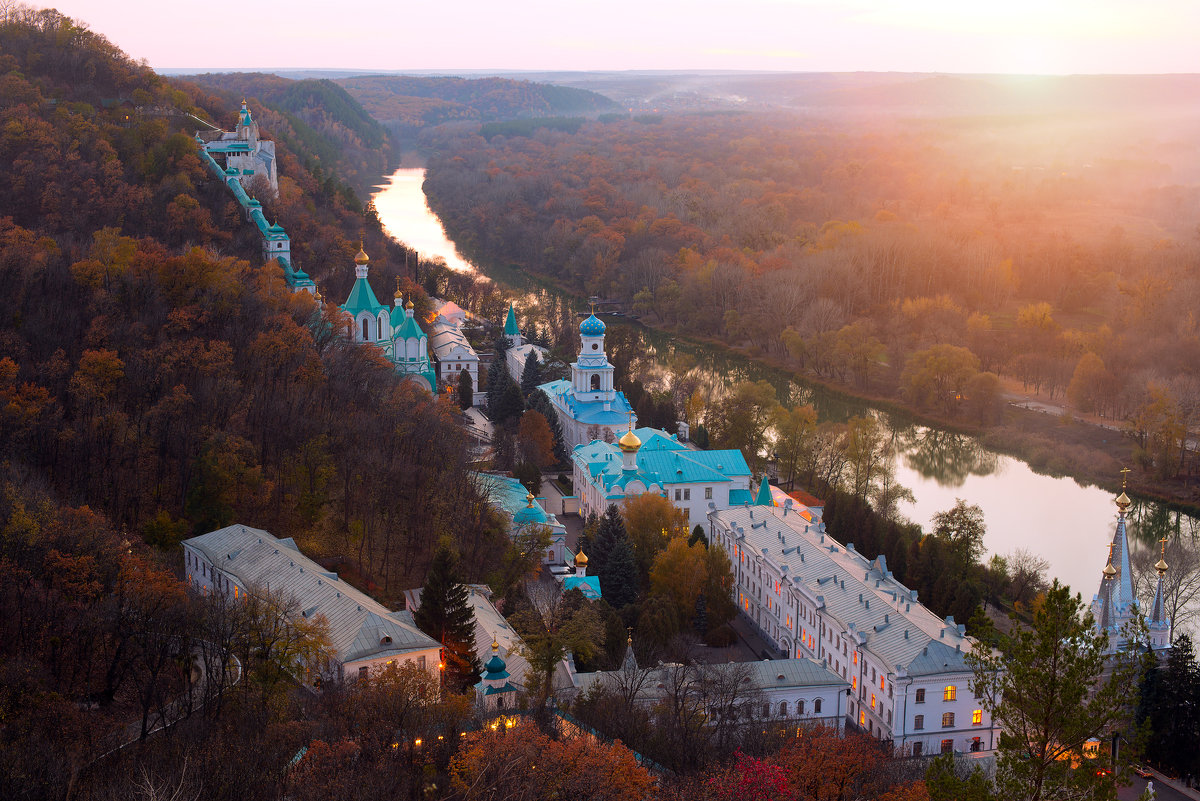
944	456
1057	518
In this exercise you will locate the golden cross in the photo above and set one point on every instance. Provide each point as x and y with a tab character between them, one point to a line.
1110	550
1163	541
630	413
1124	472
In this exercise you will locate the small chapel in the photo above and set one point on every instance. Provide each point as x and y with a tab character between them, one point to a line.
589	406
395	331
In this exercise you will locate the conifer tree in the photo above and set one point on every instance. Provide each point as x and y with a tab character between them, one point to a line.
619	579
510	403
531	376
539	401
698	536
497	382
700	620
466	394
445	614
609	532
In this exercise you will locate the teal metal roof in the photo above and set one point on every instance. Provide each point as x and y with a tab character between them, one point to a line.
561	394
409	329
588	585
510	325
362	298
530	514
740	497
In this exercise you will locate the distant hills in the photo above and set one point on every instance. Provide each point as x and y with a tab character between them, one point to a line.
405	103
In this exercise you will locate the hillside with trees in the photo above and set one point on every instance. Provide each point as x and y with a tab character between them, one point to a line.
406	104
334	136
947	263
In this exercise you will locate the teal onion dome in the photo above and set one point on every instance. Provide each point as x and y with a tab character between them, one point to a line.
592	327
530	514
496	669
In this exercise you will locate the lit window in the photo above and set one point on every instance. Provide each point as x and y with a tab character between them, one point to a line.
856	657
919	722
947	746
862	718
950	693
872	700
948	720
881	682
977	717
854	682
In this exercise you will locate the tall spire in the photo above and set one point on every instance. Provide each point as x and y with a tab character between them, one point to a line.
764	497
510	323
1158	610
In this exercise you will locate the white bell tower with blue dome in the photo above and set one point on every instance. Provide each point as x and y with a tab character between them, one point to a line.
588	405
592	374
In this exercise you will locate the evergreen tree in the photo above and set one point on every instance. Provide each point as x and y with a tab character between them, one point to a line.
609	532
466	394
531	376
529	475
698	535
446	615
1170	704
619	578
497	381
511	403
1051	692
700	620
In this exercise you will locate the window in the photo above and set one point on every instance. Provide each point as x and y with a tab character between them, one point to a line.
948	720
976	745
881	682
856	657
862	718
595	382
977	717
421	662
595	346
921	696
366	329
889	717
817	706
687	494
800	707
947	746
678	494
917	749
872	700
919	722
362	672
854	682
708	493
783	709
950	693
767	710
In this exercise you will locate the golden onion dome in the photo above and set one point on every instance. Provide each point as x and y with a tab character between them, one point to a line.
361	257
581	559
1123	502
1161	565
1109	570
630	442
529	501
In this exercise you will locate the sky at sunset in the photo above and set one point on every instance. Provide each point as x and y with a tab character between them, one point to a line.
1017	36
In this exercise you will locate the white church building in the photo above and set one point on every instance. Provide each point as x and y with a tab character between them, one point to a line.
589	406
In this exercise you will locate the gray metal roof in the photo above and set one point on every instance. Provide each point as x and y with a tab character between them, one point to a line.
858	592
359	626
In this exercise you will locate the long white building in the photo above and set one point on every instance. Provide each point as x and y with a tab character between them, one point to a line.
810	596
364	635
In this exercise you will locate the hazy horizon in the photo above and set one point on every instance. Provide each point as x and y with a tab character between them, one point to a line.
1022	37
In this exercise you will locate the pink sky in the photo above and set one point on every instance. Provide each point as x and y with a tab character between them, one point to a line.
1021	36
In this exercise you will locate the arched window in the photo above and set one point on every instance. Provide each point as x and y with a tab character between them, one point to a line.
783	709
595	381
366	329
817	706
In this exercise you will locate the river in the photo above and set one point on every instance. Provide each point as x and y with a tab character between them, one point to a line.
1059	519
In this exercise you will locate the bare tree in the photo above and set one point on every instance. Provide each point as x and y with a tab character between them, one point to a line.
1027	574
1181	582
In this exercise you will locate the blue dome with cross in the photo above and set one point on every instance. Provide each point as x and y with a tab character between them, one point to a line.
592	327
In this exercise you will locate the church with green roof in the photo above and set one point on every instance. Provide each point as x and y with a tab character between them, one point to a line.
393	330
